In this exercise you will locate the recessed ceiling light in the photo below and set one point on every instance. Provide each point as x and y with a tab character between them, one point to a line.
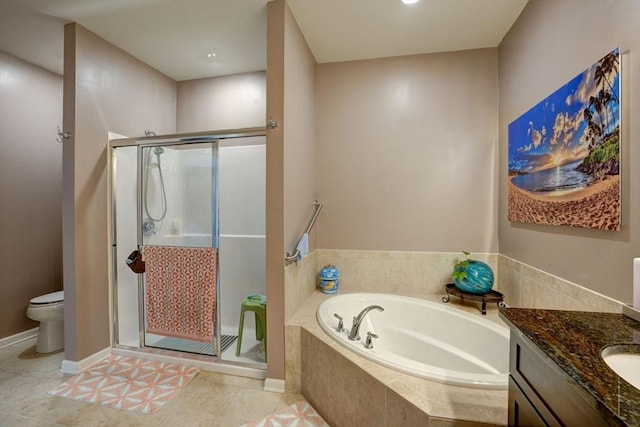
410	1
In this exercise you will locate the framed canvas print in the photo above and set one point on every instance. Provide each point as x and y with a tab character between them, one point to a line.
564	153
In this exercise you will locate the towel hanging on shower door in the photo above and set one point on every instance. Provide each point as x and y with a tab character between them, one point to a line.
180	291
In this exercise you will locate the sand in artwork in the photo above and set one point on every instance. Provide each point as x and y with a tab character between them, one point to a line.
596	206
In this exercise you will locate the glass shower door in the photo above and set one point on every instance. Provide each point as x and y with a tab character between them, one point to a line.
178	233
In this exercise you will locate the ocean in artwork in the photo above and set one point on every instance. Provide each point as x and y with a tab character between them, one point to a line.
558	180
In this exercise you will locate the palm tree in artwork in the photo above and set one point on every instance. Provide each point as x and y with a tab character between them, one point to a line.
600	116
594	130
596	103
596	112
605	98
607	66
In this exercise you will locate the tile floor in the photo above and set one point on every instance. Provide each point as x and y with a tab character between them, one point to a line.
209	400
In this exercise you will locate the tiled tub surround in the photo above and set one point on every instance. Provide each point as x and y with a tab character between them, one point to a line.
528	287
421	274
349	390
404	273
574	340
417	273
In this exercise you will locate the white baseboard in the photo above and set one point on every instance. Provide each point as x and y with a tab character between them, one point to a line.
274	385
73	367
19	337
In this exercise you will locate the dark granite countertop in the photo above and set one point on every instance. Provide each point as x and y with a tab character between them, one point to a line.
574	340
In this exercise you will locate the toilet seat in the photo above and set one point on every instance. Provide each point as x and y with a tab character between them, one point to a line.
48	299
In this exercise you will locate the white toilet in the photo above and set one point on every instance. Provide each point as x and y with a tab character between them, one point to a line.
49	311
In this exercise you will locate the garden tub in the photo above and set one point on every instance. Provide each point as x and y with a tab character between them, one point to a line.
422	338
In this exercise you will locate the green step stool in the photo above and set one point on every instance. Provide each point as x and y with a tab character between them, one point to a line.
257	304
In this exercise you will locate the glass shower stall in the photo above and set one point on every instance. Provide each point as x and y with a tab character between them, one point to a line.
193	206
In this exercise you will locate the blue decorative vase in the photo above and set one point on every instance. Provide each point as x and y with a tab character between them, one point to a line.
329	279
479	278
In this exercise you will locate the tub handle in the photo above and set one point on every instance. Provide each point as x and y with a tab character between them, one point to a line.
340	327
369	343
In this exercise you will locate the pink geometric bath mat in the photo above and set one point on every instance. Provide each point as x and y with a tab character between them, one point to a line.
127	383
300	414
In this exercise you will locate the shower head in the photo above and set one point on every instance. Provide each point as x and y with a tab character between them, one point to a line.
158	150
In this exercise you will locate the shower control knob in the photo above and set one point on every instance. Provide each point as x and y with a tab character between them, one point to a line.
148	227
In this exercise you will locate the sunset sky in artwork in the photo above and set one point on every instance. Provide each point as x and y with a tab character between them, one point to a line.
554	132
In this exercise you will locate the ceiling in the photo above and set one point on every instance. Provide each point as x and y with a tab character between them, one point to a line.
176	36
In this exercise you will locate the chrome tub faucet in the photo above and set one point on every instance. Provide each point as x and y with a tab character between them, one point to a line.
357	321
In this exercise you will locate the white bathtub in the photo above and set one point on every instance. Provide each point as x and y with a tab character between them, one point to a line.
425	339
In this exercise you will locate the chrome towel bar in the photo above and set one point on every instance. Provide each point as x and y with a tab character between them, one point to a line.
288	259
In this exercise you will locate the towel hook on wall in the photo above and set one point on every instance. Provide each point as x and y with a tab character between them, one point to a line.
272	124
62	136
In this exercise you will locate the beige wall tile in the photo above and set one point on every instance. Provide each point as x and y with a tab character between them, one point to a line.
462	403
444	422
293	359
399	412
526	286
315	381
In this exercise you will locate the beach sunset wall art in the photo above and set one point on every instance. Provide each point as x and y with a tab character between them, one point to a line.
564	153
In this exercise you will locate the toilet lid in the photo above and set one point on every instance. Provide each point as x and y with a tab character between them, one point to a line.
49	298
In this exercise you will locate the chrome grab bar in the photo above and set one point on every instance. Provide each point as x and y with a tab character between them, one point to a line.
290	258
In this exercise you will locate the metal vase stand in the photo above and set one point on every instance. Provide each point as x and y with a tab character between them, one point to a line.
491	296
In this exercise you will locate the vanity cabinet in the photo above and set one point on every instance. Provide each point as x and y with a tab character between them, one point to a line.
541	393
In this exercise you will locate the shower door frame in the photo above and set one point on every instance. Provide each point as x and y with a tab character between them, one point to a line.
149	142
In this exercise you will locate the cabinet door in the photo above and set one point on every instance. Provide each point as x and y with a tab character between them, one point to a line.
522	413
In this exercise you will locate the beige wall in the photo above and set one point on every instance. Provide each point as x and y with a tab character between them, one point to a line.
550	43
291	170
407	153
106	90
229	102
30	189
275	189
300	176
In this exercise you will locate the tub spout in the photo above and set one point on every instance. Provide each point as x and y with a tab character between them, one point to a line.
357	321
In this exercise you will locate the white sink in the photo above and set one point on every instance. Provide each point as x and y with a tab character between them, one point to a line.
624	359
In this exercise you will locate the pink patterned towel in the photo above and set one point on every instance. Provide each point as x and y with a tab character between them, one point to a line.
180	291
